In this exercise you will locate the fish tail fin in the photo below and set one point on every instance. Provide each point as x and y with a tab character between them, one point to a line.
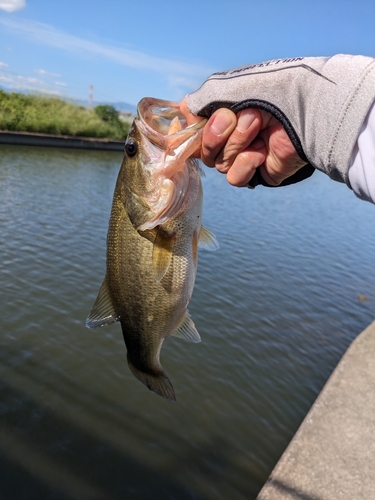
156	381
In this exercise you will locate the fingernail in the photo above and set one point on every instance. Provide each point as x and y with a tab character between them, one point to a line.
245	119
220	123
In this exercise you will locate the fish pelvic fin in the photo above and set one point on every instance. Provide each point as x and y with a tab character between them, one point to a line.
102	313
156	381
207	240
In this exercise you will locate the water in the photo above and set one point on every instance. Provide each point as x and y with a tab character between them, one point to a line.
276	307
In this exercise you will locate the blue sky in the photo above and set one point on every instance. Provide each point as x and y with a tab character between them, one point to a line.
131	49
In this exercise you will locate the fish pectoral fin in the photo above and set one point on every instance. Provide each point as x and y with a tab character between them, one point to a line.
149	234
162	252
207	240
103	313
186	330
157	381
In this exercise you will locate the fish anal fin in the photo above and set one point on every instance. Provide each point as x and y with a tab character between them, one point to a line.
162	252
207	239
186	330
157	381
102	313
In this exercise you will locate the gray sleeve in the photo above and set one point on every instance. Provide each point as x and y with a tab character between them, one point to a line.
321	101
362	162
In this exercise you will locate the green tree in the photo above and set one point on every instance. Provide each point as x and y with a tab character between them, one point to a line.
107	113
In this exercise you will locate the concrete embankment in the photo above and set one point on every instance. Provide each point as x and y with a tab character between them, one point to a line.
59	141
332	455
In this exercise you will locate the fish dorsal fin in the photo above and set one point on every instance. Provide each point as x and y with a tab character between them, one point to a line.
103	313
207	240
186	330
162	252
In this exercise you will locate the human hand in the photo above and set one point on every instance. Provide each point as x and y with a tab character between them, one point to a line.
320	101
238	144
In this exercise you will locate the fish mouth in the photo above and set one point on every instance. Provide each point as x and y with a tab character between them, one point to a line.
163	123
167	143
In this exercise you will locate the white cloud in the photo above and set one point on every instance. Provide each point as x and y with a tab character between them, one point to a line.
174	71
12	5
31	80
6	79
19	82
43	72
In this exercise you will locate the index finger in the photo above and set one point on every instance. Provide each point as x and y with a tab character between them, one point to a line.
190	117
190	120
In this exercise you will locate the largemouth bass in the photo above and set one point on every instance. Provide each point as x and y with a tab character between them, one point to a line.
152	244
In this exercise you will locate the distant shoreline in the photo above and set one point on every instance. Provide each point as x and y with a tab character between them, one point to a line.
59	141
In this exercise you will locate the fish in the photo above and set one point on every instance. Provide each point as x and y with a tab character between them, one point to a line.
154	231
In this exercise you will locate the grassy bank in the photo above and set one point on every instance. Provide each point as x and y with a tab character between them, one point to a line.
32	113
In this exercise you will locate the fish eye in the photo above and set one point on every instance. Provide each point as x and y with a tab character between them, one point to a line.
131	148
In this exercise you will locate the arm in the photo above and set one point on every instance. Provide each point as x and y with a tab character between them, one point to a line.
362	161
316	104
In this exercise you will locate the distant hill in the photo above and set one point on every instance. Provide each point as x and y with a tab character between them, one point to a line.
119	106
124	106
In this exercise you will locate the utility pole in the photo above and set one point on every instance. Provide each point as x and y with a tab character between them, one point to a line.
91	95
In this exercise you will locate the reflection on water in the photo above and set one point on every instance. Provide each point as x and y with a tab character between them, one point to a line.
276	307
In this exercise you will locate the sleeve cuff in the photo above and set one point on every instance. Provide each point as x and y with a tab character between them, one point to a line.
362	161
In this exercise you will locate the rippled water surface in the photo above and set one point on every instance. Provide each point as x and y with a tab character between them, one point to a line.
276	307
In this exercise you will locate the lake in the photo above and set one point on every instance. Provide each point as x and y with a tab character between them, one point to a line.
277	306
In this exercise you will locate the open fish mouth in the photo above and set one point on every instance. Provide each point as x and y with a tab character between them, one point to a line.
159	114
167	145
164	125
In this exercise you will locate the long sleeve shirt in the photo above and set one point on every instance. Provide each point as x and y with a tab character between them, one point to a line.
362	161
